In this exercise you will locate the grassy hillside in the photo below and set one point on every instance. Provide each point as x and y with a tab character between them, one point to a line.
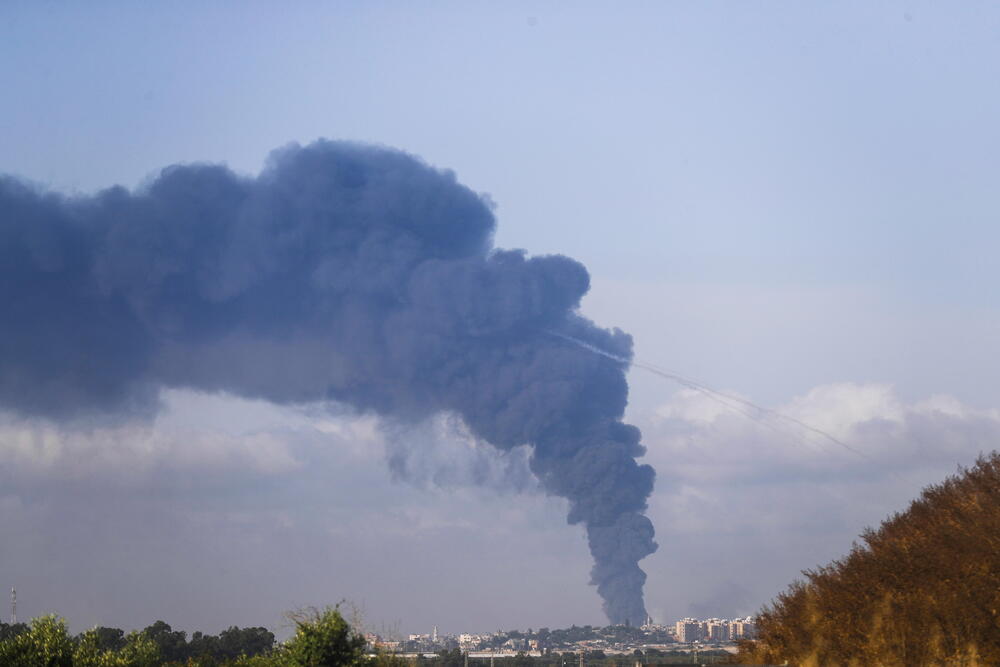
922	589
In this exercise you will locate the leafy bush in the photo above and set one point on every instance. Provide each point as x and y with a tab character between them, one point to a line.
137	650
45	644
323	639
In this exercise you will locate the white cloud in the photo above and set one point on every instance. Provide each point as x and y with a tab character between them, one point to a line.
778	498
877	431
84	450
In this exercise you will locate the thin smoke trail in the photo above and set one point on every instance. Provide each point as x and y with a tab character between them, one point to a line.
719	397
766	411
734	403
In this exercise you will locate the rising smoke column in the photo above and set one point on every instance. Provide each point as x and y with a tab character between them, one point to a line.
342	273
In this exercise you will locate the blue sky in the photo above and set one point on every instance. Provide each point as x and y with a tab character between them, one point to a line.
792	201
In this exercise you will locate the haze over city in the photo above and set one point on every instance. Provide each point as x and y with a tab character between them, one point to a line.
791	205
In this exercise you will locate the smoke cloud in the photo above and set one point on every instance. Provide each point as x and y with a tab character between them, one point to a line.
342	273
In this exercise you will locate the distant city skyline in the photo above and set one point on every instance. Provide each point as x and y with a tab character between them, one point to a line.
683	631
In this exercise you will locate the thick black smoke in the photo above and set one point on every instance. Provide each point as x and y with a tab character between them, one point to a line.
342	273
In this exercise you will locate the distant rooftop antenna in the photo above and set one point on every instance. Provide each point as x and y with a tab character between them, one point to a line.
13	606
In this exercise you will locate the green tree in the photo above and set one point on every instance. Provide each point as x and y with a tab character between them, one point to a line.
323	639
235	642
386	659
173	644
45	644
277	659
522	659
136	650
452	658
110	638
11	630
202	648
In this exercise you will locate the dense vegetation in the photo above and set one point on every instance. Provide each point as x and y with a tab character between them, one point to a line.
923	589
321	638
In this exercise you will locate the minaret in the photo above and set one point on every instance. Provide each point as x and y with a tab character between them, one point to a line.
13	606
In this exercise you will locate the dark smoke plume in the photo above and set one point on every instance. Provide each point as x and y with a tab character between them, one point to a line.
341	273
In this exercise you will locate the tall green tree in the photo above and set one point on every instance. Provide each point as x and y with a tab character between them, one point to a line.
46	644
234	642
112	639
323	639
172	643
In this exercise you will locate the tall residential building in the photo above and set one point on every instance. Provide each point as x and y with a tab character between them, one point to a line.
688	630
717	630
744	628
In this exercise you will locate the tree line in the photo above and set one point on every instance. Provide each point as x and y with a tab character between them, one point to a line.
321	638
922	589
